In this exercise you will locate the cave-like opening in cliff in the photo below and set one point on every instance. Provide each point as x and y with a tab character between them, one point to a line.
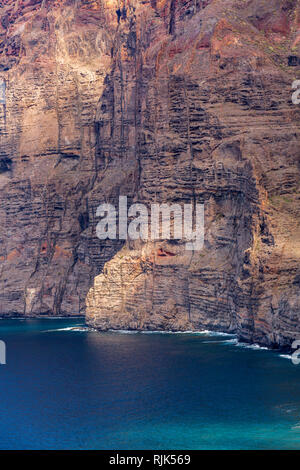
293	61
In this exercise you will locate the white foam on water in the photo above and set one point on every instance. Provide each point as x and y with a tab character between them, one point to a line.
230	341
214	333
235	342
186	332
70	328
252	346
286	356
155	332
222	341
255	347
169	332
123	332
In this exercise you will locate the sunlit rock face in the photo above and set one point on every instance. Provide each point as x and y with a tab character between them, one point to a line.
55	57
162	101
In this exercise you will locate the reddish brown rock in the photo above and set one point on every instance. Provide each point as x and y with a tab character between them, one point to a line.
161	100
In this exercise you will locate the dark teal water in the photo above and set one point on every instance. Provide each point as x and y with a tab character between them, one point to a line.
68	389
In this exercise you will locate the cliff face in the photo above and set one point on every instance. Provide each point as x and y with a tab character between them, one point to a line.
55	57
161	101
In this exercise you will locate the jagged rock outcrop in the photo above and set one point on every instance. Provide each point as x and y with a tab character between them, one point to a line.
161	101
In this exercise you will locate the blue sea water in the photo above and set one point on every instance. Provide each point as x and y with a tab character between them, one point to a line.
65	388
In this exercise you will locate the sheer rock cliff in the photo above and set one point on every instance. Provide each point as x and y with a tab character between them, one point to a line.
165	101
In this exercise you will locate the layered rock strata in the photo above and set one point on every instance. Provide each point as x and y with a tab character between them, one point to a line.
165	101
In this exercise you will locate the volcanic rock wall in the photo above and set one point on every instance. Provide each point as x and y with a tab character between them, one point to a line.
162	101
54	80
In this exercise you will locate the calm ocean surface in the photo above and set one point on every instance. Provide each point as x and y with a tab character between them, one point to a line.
79	389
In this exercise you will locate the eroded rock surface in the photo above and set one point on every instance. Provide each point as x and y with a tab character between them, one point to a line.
161	101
